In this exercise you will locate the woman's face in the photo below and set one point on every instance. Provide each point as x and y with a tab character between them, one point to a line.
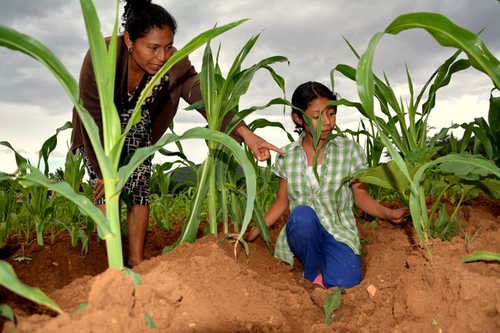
151	52
327	116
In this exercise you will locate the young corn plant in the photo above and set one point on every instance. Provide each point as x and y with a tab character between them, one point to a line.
37	199
68	214
488	133
7	210
405	126
221	96
455	177
446	33
267	185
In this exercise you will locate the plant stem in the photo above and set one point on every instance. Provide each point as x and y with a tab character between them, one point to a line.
212	210
114	242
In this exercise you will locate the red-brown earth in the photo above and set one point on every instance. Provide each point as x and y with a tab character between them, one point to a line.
201	288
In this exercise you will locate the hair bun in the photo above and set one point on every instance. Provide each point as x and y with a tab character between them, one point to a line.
133	5
140	16
138	2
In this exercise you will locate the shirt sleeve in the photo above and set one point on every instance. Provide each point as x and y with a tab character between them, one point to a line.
279	166
358	160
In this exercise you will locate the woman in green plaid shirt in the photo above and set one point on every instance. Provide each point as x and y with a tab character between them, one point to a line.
321	229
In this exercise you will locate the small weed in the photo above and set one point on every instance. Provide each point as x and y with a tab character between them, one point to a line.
149	321
332	303
362	251
406	218
468	238
23	256
79	308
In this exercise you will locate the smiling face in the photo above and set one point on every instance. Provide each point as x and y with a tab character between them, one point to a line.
328	116
151	52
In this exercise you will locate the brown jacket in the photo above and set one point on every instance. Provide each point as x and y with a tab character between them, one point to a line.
182	84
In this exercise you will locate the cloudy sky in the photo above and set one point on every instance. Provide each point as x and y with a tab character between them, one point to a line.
308	32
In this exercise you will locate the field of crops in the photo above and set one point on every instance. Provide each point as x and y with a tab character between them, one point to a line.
437	272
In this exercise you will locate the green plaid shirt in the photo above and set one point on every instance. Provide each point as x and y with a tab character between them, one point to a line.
342	158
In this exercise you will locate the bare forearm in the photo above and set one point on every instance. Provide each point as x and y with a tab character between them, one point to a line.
243	132
367	204
275	212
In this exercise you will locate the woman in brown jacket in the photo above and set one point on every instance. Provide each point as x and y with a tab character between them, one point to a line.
144	47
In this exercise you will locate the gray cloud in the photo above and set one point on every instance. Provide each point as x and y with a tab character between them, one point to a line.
309	33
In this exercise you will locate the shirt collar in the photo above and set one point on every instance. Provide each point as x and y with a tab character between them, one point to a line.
298	143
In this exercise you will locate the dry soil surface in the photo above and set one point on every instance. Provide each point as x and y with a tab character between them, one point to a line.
200	287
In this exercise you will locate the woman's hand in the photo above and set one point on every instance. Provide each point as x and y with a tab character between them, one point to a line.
259	147
99	189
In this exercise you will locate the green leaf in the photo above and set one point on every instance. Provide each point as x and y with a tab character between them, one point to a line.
263	123
48	147
104	75
491	187
442	218
494	115
182	53
191	225
388	175
464	171
63	188
448	34
482	256
149	321
19	42
9	280
332	303
6	311
136	277
79	308
19	159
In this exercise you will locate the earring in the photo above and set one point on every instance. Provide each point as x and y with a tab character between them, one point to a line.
129	50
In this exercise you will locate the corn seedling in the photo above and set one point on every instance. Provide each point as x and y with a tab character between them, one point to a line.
220	97
37	198
467	237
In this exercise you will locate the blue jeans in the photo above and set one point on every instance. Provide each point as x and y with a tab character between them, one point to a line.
318	250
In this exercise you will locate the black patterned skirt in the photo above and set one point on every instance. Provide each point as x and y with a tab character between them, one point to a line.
137	186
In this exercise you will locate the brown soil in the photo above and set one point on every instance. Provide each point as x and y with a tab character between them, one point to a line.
201	288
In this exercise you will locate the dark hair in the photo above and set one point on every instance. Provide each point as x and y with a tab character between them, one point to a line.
141	16
305	94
